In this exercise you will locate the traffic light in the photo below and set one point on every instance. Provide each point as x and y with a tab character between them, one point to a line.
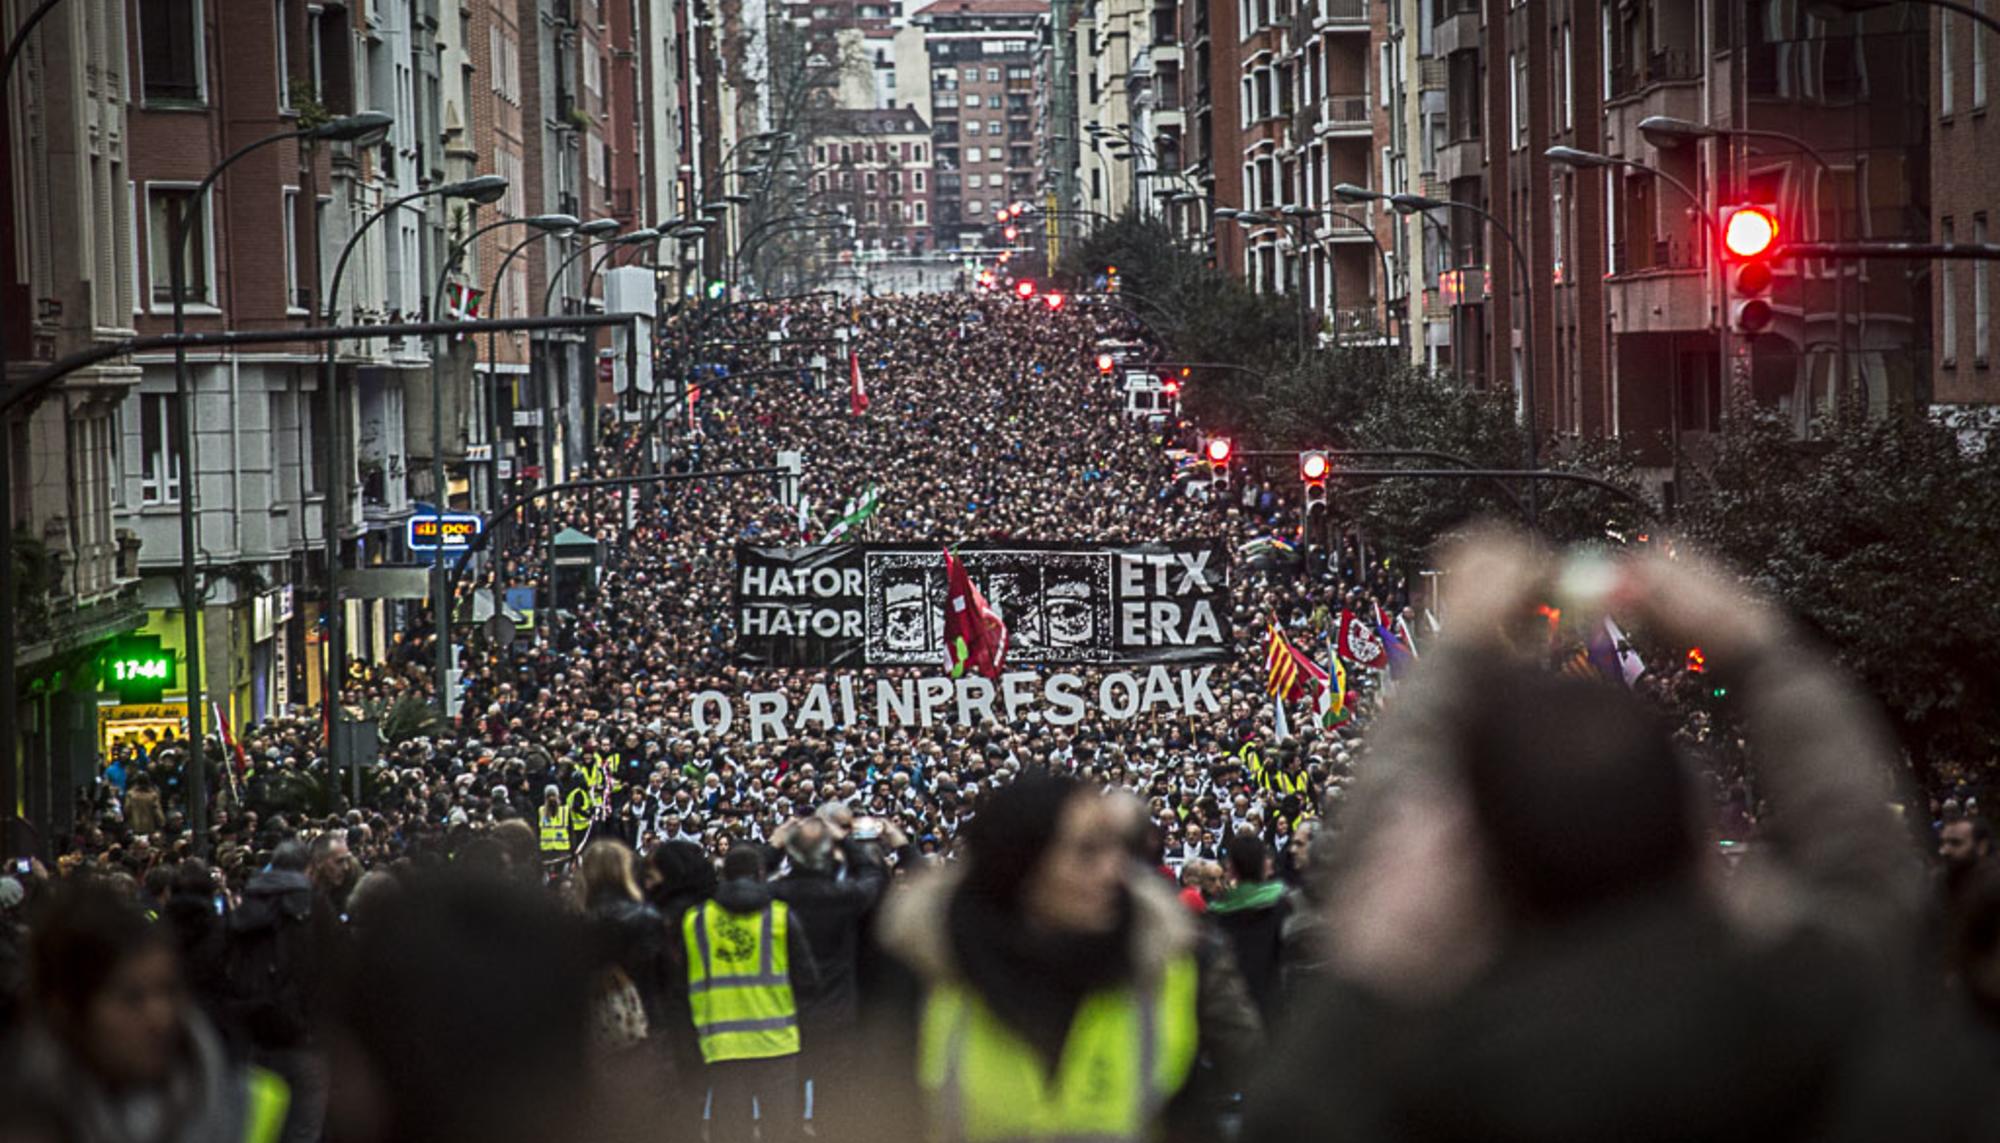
1749	239
1697	661
1171	387
1053	300
1218	450
1011	233
1105	364
1024	289
1314	468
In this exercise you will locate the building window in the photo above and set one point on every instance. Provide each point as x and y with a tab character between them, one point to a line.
974	207
1978	64
1519	101
1947	302
993	75
1982	307
170	50
159	245
1569	80
281	11
918	179
920	212
1947	74
159	449
295	299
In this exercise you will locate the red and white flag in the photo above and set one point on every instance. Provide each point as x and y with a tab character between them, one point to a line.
1359	643
463	301
857	393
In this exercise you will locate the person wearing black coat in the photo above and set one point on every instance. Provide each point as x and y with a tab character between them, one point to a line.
833	888
631	935
194	911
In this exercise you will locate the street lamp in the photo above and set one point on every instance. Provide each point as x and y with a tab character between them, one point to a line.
441	612
1248	218
594	227
1415	203
483	190
363	129
1592	160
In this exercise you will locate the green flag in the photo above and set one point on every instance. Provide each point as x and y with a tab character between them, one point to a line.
857	513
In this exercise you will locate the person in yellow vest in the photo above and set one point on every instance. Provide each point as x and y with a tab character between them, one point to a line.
554	820
1062	991
749	969
115	1042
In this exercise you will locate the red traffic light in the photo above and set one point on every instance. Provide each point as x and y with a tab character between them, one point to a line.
1314	466
1697	662
1000	215
1171	388
1053	301
1025	289
1106	363
1011	233
1219	450
1750	231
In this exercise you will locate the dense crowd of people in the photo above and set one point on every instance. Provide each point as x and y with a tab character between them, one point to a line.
626	925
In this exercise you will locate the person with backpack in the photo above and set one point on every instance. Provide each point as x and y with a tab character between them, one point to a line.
280	940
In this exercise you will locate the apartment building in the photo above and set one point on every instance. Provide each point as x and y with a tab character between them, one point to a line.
982	58
875	167
209	77
1965	169
66	284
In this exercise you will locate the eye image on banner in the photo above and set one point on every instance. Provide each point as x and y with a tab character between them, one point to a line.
883	605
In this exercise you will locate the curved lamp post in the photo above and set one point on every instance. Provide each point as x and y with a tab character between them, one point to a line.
363	129
546	224
484	190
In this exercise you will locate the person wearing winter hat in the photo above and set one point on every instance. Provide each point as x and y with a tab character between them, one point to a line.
1057	986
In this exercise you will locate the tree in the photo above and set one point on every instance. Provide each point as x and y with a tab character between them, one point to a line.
1884	537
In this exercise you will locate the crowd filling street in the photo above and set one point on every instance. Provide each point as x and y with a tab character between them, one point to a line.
1507	890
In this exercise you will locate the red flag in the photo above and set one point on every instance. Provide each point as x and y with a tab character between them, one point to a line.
229	742
1359	644
857	393
974	636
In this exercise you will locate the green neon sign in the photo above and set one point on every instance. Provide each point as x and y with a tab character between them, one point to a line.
138	667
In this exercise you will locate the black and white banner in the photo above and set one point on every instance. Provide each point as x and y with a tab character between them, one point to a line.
882	605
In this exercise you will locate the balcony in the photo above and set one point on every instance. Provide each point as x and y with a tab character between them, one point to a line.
1339	228
1630	77
1344	115
1340	16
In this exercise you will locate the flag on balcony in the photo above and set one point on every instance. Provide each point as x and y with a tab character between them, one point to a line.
462	302
857	392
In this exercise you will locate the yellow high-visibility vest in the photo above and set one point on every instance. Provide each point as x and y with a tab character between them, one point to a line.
555	830
740	982
1128	1050
267	1100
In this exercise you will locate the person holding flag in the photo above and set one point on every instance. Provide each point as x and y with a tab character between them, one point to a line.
1290	675
857	391
974	635
858	513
